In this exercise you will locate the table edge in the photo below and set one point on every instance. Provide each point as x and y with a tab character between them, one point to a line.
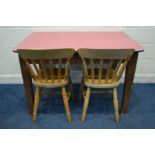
16	50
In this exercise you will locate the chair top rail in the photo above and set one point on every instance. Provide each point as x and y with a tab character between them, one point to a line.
46	53
105	53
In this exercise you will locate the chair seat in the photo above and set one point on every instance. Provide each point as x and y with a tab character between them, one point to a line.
51	83
102	84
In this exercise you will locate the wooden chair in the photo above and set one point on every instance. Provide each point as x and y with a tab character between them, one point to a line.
102	69
49	69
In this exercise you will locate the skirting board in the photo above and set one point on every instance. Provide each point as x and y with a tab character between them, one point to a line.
76	78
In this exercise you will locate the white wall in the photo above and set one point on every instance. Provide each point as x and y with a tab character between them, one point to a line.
11	36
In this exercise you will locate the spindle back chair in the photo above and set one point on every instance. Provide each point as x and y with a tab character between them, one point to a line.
103	69
49	69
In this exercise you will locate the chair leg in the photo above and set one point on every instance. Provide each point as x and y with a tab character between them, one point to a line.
85	106
36	102
71	88
81	88
66	104
115	100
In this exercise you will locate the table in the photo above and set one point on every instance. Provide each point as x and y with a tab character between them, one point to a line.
76	40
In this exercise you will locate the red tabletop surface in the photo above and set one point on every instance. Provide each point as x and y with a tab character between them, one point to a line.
76	40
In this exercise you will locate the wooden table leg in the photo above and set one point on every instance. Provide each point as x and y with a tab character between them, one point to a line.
129	77
27	85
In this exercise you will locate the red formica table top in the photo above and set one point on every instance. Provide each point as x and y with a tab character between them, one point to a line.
76	40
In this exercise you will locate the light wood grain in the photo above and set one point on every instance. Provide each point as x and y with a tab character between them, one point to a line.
115	101
36	102
42	65
85	106
110	65
66	104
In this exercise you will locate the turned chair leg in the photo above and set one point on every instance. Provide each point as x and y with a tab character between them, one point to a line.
115	100
71	88
66	104
81	88
36	102
85	106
